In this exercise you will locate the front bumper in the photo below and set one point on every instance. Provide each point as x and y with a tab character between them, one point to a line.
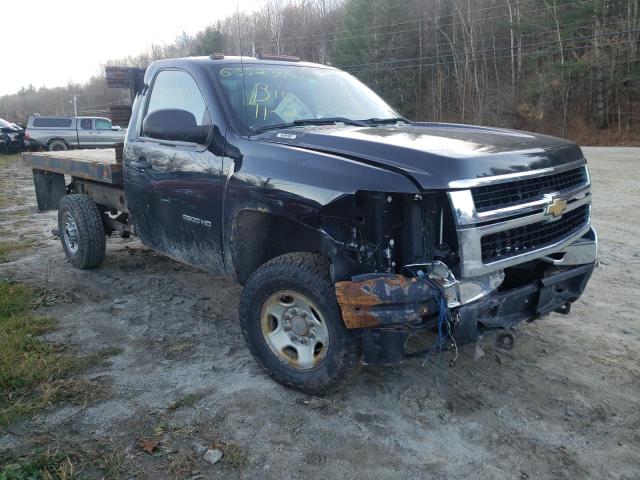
503	309
390	307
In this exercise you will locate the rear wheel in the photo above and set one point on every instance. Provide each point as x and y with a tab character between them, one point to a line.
291	322
57	145
81	231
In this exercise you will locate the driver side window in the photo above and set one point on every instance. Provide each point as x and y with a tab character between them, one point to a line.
176	89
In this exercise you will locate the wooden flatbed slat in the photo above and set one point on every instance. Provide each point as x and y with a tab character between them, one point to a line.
99	164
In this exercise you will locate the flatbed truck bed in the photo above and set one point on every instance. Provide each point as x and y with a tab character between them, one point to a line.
98	165
97	173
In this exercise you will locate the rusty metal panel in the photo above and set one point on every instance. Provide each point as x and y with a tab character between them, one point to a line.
99	165
385	300
109	195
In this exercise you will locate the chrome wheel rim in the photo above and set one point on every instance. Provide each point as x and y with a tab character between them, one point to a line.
294	329
70	234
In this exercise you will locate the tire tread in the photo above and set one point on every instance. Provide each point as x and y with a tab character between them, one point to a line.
312	269
91	235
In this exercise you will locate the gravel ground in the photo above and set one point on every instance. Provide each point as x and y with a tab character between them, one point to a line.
564	403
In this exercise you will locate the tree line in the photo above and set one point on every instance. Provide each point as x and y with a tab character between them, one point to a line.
566	67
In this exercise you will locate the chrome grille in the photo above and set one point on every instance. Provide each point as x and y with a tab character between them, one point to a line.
515	241
503	220
502	195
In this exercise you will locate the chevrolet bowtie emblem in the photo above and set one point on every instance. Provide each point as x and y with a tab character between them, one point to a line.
555	208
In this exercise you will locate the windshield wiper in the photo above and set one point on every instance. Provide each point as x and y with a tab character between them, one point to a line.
311	121
385	121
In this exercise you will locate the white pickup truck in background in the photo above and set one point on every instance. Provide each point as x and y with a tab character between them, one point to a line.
65	133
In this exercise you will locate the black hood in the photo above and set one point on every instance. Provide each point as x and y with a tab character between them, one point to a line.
435	154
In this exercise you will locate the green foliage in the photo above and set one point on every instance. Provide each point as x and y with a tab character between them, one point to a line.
14	299
31	370
531	89
572	14
571	68
211	41
40	465
6	248
371	53
187	401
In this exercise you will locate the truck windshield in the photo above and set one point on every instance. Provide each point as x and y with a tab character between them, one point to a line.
274	96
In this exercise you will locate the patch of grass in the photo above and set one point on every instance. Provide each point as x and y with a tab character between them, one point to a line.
33	373
181	464
76	391
187	401
92	460
113	464
235	456
6	199
41	465
178	350
7	248
6	159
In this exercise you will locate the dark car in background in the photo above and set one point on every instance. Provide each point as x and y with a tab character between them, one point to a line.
11	137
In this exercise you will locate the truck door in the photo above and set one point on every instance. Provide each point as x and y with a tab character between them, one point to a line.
174	188
105	137
86	132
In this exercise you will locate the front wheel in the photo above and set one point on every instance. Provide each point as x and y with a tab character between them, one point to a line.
291	322
81	231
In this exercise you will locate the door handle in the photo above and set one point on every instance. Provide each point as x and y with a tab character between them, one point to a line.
142	164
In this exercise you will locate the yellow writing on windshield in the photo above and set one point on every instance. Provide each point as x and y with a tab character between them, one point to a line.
239	71
260	95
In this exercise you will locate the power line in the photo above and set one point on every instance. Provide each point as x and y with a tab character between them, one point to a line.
408	22
546	30
410	30
582	37
491	58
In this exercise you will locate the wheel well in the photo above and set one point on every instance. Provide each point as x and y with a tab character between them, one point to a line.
257	237
57	139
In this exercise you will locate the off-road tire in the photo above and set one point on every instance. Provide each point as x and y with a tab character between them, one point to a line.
91	241
57	145
307	274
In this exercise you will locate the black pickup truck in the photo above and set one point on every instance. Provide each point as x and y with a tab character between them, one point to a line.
351	228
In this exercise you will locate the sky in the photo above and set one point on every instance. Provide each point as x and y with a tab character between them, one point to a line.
67	40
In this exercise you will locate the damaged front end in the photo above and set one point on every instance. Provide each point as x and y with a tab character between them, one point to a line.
402	263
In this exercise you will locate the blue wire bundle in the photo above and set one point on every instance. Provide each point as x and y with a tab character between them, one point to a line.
443	317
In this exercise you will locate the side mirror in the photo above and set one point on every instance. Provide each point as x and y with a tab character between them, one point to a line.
116	127
176	125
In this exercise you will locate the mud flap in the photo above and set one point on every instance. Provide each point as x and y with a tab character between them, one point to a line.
50	188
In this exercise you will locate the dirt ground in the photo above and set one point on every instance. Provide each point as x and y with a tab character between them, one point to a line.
564	403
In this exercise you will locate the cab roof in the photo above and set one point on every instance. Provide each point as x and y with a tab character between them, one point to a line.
218	59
